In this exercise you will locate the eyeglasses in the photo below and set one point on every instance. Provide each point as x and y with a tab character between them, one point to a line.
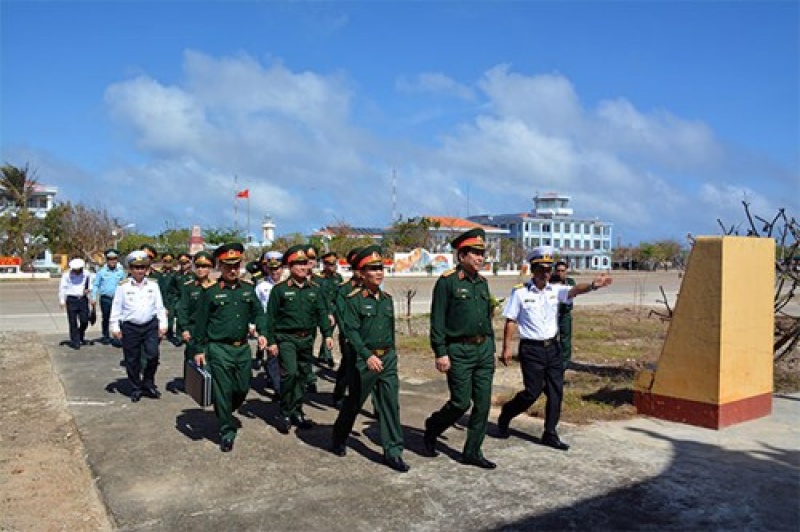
374	268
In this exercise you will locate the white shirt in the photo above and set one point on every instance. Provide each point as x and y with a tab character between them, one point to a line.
137	303
536	311
263	289
73	285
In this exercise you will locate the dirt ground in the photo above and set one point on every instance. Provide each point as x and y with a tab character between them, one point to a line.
46	485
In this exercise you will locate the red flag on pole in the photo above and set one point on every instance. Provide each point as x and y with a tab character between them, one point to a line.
243	193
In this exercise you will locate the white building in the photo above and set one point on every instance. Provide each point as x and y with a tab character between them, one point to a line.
39	204
584	243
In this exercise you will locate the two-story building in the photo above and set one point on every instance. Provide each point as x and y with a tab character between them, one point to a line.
39	204
585	243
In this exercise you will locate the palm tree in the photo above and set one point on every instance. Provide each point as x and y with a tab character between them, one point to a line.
20	225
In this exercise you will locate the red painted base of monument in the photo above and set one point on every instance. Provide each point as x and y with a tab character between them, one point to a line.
702	414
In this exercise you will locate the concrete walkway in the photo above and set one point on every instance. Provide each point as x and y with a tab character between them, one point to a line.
158	466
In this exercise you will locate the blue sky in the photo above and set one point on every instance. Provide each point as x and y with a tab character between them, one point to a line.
660	117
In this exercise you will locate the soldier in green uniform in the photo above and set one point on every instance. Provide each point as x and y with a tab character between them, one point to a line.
462	338
256	271
296	308
367	320
170	291
185	272
191	289
564	313
329	279
224	313
347	363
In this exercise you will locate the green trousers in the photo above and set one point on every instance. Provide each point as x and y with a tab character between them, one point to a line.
230	381
294	357
470	382
385	391
565	337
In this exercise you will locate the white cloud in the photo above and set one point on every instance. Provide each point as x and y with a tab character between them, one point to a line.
291	138
435	83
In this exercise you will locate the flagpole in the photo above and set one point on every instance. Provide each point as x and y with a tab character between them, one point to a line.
235	203
248	216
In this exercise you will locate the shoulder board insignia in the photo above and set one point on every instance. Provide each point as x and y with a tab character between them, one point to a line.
344	282
520	285
449	272
190	281
354	292
386	294
246	281
312	282
209	283
125	280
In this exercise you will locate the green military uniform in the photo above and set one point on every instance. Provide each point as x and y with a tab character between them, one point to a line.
224	312
294	312
170	292
367	320
565	327
191	290
330	287
347	363
461	329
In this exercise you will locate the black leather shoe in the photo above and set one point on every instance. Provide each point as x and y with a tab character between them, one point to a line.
480	462
75	346
300	421
396	463
283	424
502	426
552	440
152	392
226	446
311	387
429	442
177	342
105	340
339	449
87	342
136	395
328	362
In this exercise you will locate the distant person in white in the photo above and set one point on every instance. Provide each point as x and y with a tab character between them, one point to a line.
73	294
273	270
139	319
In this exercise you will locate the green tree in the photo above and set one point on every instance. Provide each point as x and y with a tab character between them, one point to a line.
79	231
409	234
23	231
221	235
343	239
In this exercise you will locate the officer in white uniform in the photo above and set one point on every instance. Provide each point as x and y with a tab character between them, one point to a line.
139	319
533	308
272	265
73	294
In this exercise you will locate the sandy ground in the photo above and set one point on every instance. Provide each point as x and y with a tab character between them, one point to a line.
45	483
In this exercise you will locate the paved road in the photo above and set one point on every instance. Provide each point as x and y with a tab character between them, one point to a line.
33	305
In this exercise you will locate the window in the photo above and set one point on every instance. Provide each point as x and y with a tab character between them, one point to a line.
557	243
557	227
567	244
546	229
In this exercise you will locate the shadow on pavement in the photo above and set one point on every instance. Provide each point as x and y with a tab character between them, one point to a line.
670	500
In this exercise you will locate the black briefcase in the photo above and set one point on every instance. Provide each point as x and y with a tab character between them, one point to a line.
197	381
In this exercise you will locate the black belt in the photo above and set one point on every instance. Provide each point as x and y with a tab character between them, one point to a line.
540	343
472	340
234	343
299	332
